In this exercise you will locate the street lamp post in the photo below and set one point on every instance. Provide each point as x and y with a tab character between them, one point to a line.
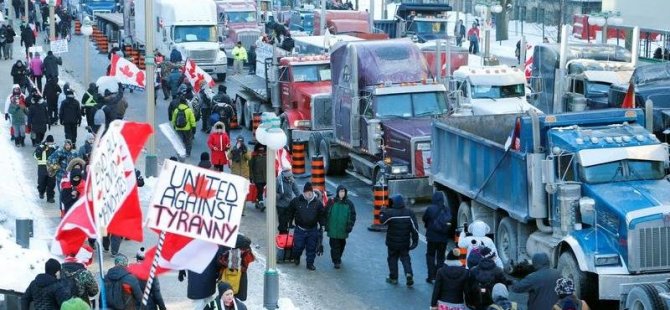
270	134
86	30
151	159
604	19
52	21
487	7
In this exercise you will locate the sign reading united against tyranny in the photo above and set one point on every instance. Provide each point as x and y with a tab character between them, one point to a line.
198	203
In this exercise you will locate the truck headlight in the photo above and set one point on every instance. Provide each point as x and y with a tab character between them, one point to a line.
301	123
220	56
423	146
607	260
399	169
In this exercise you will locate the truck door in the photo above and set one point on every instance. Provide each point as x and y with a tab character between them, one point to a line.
342	113
367	113
284	87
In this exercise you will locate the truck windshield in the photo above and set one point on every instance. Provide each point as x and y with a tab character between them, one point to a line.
194	34
311	73
409	105
423	26
623	170
595	88
242	17
495	92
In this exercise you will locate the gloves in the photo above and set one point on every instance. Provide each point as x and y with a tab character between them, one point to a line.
182	275
6	116
319	250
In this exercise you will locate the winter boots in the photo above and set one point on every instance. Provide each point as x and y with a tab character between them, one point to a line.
20	141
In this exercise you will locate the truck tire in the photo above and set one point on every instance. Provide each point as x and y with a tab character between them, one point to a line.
221	77
313	144
644	297
586	285
506	242
464	214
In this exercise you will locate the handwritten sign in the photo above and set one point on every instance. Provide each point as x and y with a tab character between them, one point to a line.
198	203
59	46
112	173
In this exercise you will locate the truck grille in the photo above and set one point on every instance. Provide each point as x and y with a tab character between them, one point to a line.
322	113
248	37
652	253
204	56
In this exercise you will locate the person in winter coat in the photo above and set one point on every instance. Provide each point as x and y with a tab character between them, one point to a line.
89	103
239	258
481	280
437	221
3	38
38	120
204	161
45	183
71	193
201	287
226	299
9	50
402	236
239	58
184	95
75	272
473	37
459	32
51	64
340	220
155	301
565	289
84	152
51	92
206	96
308	214
540	284
450	281
70	116
175	56
183	121
18	113
36	73
120	273
175	79
59	160
46	292
218	144
239	156
115	106
223	107
478	239
287	190
501	298
27	38
259	175
19	74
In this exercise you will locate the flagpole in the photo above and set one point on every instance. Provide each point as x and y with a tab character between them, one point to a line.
152	271
103	300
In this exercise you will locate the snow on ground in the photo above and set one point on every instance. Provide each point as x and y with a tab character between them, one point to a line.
19	201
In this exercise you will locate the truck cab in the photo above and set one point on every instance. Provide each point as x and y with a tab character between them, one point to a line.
90	7
423	22
355	23
490	90
237	21
588	83
302	20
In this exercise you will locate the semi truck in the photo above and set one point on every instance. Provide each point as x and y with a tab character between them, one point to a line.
587	188
354	23
421	22
191	29
83	8
237	22
381	112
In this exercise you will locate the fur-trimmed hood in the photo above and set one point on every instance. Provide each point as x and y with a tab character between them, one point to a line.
223	126
75	161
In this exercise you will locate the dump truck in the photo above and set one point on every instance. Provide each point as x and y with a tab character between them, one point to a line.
587	188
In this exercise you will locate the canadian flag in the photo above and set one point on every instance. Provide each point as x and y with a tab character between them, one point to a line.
283	160
528	65
629	99
127	72
195	75
75	227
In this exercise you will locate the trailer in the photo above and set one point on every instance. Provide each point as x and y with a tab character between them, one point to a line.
111	24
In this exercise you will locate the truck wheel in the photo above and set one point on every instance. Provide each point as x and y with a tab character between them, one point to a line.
324	151
585	284
313	144
221	77
506	242
644	297
464	214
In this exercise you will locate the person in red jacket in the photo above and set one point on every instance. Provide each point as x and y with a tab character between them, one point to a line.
218	143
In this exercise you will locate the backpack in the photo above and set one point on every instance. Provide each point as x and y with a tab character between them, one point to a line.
70	281
180	120
196	106
114	294
442	221
569	303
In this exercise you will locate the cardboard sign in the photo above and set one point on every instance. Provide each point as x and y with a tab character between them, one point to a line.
59	46
112	174
198	203
171	135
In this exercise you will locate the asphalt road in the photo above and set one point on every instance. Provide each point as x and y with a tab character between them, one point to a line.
360	284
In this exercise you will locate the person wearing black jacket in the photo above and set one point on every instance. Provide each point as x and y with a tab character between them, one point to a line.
10	34
120	273
38	119
89	102
481	280
223	107
45	183
46	292
51	64
70	116
437	234
51	92
450	281
19	74
402	236
309	216
27	37
540	284
68	196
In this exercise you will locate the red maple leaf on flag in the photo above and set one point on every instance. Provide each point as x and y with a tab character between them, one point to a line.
191	69
201	188
126	71
139	78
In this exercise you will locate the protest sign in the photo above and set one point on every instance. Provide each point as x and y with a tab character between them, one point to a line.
198	203
59	46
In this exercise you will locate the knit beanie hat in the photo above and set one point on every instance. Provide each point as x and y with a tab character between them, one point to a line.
453	255
120	260
307	187
75	304
223	287
499	290
204	156
50	139
52	267
564	286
